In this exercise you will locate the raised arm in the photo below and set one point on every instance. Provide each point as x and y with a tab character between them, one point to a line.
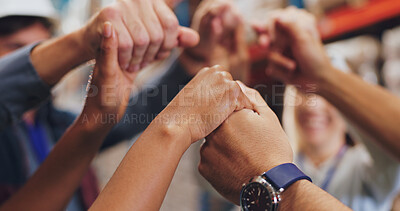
147	31
370	107
54	183
147	34
224	45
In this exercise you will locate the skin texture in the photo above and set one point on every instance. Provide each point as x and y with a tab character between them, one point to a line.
148	34
23	37
143	177
222	40
371	108
53	184
249	143
267	142
147	30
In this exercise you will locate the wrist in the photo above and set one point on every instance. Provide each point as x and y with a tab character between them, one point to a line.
96	122
294	191
84	45
173	133
326	81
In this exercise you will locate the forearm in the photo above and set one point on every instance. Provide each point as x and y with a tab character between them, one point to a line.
147	104
143	177
369	107
303	195
54	183
54	58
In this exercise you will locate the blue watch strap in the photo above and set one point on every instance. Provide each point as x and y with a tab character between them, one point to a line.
284	175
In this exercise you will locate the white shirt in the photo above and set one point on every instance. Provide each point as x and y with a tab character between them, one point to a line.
366	177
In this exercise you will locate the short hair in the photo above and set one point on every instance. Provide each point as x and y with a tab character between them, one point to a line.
11	24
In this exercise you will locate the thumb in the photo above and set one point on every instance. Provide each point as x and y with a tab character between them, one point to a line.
263	38
107	60
188	37
243	102
256	100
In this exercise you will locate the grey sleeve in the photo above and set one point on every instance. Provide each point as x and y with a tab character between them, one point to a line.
21	88
149	102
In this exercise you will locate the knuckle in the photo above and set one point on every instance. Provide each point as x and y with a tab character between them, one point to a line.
204	71
142	41
126	44
234	86
106	47
163	55
157	38
218	74
217	67
223	75
171	24
110	12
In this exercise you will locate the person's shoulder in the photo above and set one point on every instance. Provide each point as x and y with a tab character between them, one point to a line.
358	153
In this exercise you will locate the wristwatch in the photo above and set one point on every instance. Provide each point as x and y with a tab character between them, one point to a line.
264	192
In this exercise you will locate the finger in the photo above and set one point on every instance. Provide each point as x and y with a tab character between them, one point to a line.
217	29
291	29
138	34
242	101
141	42
276	72
107	60
125	45
172	3
154	30
263	40
255	98
163	54
210	30
231	19
282	61
188	37
221	70
170	25
259	28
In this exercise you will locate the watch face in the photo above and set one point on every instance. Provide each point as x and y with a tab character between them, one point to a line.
256	197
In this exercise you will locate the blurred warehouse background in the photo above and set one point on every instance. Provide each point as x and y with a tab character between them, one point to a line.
365	32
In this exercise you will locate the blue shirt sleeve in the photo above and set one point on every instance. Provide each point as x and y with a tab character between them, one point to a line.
21	88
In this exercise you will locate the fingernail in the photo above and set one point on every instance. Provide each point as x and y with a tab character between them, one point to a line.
125	67
107	30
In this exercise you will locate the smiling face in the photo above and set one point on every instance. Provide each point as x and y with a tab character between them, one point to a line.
318	122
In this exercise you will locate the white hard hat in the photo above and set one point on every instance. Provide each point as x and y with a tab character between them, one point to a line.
38	8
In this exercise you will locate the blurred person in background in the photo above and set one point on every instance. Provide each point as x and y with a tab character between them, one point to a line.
339	160
26	144
327	149
343	160
363	175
